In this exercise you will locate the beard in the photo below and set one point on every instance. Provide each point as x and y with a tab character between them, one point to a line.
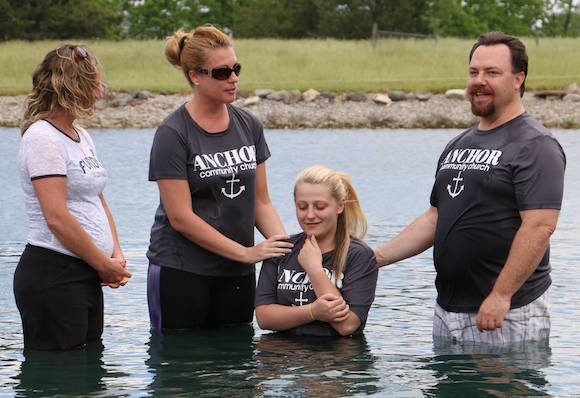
482	110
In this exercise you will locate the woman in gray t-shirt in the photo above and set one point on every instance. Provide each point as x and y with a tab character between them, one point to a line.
326	285
72	245
208	159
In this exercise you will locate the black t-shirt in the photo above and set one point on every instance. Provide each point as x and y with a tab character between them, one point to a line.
283	281
483	180
220	169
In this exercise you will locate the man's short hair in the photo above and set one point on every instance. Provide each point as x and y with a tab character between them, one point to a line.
517	51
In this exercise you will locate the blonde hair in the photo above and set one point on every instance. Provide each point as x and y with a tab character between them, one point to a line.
65	79
351	222
190	51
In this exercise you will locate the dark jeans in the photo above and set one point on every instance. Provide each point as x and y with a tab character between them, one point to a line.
183	300
59	298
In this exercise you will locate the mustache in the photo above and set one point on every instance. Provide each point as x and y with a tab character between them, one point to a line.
479	89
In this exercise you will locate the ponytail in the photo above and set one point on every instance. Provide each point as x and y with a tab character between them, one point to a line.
189	51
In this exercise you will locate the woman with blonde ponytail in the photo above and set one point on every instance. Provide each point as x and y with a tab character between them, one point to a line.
72	244
208	159
326	285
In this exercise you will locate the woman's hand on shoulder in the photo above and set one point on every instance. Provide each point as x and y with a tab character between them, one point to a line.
310	256
330	308
274	246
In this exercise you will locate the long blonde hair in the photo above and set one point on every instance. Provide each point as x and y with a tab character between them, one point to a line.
351	222
67	79
190	51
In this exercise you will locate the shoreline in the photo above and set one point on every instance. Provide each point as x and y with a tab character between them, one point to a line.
294	110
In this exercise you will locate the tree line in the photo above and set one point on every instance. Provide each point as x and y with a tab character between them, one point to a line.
292	19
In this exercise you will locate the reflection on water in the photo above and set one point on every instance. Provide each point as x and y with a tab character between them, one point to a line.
487	371
290	367
215	362
231	362
393	172
78	372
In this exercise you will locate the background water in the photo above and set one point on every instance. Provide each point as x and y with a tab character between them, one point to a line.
393	172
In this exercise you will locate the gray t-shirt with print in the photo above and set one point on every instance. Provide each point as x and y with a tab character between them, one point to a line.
220	169
483	180
45	151
283	281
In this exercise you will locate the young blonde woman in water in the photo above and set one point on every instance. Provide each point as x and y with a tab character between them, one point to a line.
326	285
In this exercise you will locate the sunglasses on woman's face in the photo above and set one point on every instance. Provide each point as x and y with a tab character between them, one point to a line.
222	72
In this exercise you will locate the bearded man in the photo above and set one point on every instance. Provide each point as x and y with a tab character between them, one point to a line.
494	205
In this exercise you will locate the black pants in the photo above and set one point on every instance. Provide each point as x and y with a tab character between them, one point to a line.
183	300
59	298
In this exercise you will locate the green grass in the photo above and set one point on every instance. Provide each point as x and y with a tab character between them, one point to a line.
333	65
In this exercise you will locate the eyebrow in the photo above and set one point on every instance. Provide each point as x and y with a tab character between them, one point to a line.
314	202
226	65
488	68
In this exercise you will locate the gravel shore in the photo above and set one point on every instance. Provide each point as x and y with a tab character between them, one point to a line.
439	111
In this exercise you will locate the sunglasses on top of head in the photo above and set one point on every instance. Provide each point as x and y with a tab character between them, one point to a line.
80	53
222	72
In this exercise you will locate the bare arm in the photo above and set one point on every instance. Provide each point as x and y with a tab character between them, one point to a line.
325	308
282	317
51	193
414	239
528	247
176	198
329	306
117	252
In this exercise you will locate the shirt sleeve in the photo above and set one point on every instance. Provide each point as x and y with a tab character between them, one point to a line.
42	156
168	155
538	174
262	150
266	291
360	281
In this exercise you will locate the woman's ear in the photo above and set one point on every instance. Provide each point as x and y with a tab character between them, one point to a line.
193	77
340	206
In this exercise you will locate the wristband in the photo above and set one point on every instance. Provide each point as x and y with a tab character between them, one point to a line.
310	311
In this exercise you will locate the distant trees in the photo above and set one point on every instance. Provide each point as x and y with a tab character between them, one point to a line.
562	19
275	18
353	19
346	19
471	17
159	18
59	19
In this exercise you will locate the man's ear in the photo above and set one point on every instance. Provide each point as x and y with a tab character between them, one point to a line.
520	78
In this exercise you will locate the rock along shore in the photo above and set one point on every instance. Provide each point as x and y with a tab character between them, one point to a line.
311	109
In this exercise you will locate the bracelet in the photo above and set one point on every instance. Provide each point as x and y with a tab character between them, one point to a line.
310	311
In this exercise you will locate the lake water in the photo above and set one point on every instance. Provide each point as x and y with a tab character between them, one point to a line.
393	171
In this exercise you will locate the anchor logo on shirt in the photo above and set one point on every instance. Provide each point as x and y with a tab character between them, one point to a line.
455	192
231	194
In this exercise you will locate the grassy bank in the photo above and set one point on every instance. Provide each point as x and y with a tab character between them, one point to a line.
409	65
